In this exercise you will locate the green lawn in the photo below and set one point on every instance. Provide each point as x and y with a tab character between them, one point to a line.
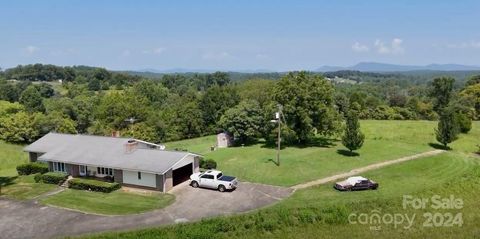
10	156
14	186
385	140
114	203
322	212
23	187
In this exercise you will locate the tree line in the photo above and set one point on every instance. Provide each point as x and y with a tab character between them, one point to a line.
178	106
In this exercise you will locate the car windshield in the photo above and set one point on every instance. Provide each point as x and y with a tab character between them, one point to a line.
219	175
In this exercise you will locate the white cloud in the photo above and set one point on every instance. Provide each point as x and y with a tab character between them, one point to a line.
394	48
30	49
359	47
464	45
216	55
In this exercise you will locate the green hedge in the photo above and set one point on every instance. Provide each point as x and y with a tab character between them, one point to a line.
31	168
208	163
51	177
93	185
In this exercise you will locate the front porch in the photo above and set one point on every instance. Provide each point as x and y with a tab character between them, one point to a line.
85	171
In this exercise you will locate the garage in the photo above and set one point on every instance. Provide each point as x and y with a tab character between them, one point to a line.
182	174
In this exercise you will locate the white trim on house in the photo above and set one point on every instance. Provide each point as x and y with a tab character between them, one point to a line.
179	161
59	167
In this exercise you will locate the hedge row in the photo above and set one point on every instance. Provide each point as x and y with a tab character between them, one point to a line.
92	185
51	177
31	168
208	164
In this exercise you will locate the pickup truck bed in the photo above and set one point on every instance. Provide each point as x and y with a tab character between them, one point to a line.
226	178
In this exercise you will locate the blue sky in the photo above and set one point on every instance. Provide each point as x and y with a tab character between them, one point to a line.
238	35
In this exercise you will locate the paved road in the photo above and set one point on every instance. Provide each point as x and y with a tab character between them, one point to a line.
28	219
364	169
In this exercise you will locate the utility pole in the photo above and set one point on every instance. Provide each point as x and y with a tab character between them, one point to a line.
278	115
278	120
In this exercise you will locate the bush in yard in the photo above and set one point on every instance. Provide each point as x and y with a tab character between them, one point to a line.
464	122
37	177
93	185
31	168
208	164
51	178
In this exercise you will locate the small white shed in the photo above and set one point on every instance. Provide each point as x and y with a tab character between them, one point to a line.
224	140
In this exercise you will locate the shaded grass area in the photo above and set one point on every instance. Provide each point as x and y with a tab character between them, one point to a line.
11	155
322	212
23	187
14	186
385	140
114	203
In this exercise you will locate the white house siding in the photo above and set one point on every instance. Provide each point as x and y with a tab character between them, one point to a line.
131	177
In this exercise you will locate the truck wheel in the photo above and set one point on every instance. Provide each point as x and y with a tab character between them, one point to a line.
221	188
195	184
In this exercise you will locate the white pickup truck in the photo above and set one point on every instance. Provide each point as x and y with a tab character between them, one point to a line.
213	179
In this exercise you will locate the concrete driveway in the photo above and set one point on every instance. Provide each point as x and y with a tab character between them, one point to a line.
28	219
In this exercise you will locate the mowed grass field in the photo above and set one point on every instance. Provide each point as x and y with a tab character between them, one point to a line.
322	212
385	140
10	156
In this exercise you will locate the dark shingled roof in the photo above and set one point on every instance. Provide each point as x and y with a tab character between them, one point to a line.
104	151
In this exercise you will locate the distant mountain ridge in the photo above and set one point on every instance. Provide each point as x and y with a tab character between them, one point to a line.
384	67
187	70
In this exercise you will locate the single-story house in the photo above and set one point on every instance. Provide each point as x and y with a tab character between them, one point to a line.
129	161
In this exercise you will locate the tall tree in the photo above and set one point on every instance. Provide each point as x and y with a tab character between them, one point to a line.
19	128
243	121
215	102
32	99
353	138
441	91
473	80
308	105
115	108
472	93
447	130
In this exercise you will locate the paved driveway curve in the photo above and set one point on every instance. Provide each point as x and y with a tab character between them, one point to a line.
28	219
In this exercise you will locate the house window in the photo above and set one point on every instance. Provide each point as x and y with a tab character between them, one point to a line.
105	171
58	167
139	175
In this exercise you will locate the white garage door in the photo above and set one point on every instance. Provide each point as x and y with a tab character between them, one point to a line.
139	178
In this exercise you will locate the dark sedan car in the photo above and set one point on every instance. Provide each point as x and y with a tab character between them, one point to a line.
356	183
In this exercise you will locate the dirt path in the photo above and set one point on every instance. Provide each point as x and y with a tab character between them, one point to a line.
356	171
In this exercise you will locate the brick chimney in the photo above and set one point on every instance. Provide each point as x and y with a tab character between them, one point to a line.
130	146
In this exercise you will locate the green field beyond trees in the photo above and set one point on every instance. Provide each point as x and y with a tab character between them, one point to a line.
385	140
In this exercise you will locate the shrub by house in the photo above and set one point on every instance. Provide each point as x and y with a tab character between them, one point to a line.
51	177
92	185
31	168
